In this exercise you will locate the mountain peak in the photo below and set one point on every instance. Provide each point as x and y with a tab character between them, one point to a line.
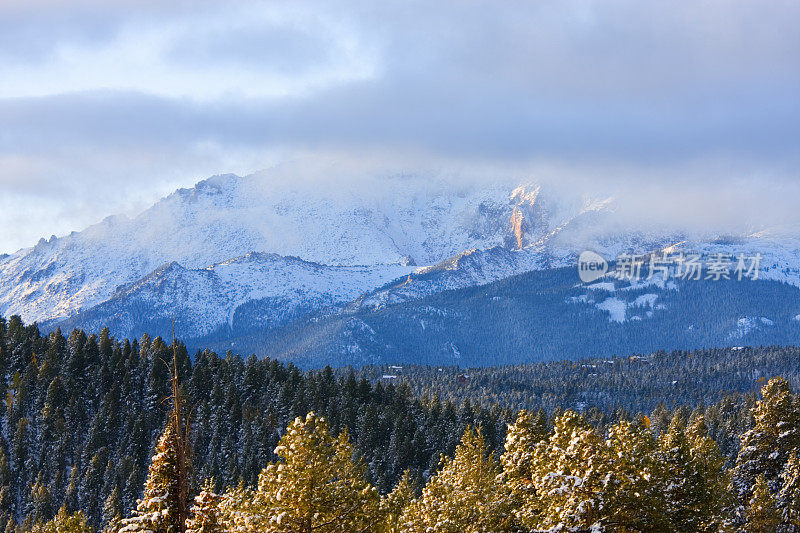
525	194
227	216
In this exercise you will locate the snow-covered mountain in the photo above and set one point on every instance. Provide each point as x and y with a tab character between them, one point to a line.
372	222
257	291
238	256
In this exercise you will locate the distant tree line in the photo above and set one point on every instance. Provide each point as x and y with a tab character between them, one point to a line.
638	383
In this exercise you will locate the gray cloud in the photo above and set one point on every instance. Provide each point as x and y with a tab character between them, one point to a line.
121	99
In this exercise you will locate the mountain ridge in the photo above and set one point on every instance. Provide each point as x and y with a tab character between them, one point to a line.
238	257
423	221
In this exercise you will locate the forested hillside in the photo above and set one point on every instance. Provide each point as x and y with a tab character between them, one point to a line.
572	476
637	383
538	316
83	412
84	420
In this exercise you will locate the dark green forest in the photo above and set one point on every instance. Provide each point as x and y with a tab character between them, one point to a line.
83	413
637	383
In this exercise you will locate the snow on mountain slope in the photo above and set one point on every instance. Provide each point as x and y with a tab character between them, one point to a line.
255	291
374	221
779	257
558	248
473	267
780	260
357	235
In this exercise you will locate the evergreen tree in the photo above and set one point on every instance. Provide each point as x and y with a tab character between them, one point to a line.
395	503
111	511
762	512
238	510
316	485
205	513
766	447
157	510
633	495
695	484
64	522
521	440
712	499
789	495
163	508
467	494
40	507
569	474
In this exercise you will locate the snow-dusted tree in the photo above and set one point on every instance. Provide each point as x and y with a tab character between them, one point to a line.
40	503
517	460
762	512
316	486
713	500
64	522
238	511
395	503
695	486
157	510
633	495
111	511
766	447
789	495
205	513
163	507
569	473
467	495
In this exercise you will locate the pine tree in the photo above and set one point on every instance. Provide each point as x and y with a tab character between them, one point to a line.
40	507
713	500
521	440
157	510
633	497
316	486
239	511
111	511
789	495
569	473
64	522
205	513
766	447
71	494
694	482
395	503
466	495
163	507
762	512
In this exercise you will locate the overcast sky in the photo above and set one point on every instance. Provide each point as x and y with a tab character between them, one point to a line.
106	106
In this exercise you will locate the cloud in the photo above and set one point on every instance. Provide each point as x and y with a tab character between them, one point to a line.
206	53
118	100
